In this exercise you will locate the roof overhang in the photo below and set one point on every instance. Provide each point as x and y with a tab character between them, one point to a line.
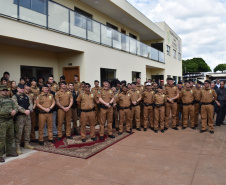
126	14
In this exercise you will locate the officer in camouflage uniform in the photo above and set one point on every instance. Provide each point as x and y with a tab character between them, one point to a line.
23	119
7	111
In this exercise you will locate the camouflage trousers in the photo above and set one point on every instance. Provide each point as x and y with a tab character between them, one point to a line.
23	123
6	136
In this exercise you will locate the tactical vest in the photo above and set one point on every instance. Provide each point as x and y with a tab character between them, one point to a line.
74	99
6	107
23	101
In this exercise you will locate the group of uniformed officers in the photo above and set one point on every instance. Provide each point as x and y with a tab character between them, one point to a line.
33	103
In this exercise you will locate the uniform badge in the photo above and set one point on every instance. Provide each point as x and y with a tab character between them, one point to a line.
138	92
128	94
50	97
110	91
54	85
68	92
9	89
91	95
37	98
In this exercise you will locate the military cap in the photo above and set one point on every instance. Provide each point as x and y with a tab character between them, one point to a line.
208	81
123	81
169	78
88	84
62	78
41	78
63	82
199	82
45	85
33	79
148	84
3	87
28	84
3	78
180	82
21	86
105	80
160	87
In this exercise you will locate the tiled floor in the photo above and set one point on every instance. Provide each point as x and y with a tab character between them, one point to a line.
175	157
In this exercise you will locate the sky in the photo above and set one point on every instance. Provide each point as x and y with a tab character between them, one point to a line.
201	24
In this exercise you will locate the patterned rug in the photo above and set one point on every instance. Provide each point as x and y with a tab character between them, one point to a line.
76	148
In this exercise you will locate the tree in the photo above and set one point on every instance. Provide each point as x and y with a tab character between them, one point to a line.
220	67
195	65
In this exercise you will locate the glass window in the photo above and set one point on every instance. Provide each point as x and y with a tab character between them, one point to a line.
112	33
132	36
174	53
168	49
179	56
83	19
36	5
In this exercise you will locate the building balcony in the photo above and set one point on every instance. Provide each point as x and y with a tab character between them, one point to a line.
53	16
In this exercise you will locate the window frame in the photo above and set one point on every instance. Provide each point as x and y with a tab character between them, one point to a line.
84	17
174	53
168	50
31	4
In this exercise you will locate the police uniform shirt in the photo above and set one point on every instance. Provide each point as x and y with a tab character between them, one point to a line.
86	100
147	96
45	100
64	97
124	100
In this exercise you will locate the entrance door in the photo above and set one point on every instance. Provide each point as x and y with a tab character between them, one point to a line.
69	73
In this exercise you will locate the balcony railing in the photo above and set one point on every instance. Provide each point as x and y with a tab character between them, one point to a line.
56	17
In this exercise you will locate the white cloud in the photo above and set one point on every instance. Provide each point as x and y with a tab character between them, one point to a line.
200	23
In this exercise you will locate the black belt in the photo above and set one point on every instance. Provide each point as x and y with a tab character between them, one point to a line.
186	104
159	105
173	101
122	108
211	103
44	112
135	105
89	110
148	104
105	107
196	101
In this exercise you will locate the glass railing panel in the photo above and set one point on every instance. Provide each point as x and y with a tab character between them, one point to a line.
8	7
77	24
154	54
144	50
161	57
58	17
132	46
116	38
93	30
106	35
34	12
125	43
138	48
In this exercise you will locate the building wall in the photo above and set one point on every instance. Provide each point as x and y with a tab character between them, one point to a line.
98	16
173	65
12	57
95	56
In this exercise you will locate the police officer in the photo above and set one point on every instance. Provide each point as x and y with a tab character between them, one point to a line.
74	108
147	97
115	110
32	97
179	102
106	99
76	83
95	90
197	93
172	95
187	97
64	100
54	87
82	87
45	102
159	111
208	95
23	119
135	106
221	96
7	111
86	102
124	104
